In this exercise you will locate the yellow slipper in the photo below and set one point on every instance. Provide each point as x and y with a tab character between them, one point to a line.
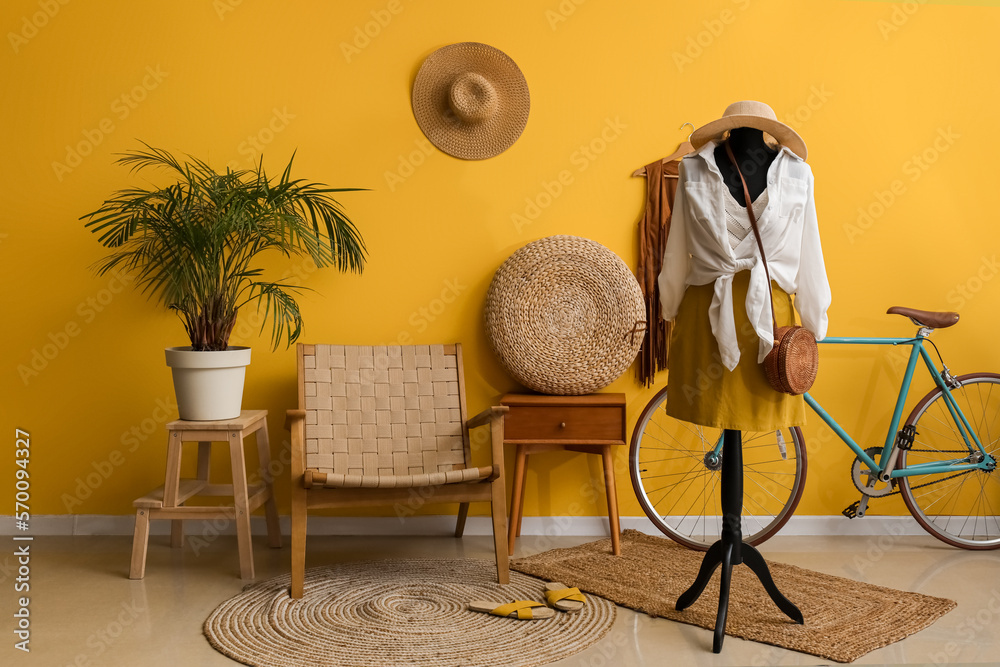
524	610
564	599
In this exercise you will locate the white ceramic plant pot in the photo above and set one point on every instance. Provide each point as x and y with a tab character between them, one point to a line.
208	385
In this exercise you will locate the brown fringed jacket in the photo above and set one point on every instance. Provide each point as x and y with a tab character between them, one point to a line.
661	185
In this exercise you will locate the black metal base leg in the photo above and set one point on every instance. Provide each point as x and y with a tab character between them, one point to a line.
709	563
723	613
753	560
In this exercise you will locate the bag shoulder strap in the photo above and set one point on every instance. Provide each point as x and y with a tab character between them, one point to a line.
756	232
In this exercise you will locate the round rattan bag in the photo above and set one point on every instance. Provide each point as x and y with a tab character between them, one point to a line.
565	315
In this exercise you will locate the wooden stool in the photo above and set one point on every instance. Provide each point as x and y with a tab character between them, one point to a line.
591	424
167	501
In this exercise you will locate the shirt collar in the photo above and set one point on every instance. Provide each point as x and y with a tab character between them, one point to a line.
707	153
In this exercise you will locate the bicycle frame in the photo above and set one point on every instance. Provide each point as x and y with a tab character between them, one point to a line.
917	350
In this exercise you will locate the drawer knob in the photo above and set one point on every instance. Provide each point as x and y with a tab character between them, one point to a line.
562	425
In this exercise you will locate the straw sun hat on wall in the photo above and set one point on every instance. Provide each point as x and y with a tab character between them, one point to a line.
471	100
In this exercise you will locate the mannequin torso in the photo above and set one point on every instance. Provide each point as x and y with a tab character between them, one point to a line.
754	157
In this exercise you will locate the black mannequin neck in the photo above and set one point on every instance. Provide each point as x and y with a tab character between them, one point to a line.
754	157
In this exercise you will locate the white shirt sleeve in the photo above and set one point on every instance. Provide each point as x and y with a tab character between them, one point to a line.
672	280
813	297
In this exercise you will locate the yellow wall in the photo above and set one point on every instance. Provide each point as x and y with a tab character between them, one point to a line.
888	97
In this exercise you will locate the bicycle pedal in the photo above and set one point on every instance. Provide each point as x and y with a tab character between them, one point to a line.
851	511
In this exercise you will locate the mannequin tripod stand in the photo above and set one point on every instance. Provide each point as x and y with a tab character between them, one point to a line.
730	550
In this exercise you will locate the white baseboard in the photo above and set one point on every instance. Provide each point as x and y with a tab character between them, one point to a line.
592	526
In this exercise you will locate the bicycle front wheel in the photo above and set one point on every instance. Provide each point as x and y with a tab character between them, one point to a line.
960	508
676	477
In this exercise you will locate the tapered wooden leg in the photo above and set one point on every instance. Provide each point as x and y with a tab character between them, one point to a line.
241	513
517	497
520	497
171	486
497	507
609	486
270	506
299	520
177	534
204	460
140	542
463	514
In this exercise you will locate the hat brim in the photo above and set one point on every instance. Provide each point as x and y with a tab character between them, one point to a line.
784	135
470	141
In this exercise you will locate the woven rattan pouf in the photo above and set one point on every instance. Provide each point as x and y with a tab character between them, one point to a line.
565	315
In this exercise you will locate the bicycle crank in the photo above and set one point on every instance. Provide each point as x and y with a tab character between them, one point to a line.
866	481
859	507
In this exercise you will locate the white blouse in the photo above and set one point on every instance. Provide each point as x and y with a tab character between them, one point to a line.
699	252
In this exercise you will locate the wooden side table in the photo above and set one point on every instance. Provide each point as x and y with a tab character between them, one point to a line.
592	424
168	501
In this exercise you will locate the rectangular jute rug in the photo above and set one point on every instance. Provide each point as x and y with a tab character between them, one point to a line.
844	619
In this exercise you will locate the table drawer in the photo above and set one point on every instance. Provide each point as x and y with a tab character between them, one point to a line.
563	423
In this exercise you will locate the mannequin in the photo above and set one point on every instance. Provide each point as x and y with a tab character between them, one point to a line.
754	157
714	289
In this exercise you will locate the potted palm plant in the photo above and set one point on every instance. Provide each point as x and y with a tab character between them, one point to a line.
196	245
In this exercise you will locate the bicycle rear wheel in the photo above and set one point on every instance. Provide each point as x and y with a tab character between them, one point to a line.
963	508
676	478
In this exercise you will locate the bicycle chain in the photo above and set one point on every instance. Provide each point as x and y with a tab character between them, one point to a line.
920	486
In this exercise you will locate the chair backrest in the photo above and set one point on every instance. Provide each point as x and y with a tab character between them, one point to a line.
383	410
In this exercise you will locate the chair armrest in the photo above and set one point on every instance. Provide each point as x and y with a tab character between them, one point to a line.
291	416
295	421
494	417
487	416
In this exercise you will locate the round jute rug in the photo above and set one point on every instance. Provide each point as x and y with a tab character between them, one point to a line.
409	612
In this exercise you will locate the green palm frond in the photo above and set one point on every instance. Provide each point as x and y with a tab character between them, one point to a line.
194	243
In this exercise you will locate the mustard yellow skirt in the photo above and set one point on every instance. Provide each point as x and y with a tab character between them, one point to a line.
702	391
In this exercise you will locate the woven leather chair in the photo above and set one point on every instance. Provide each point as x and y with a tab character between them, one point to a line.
377	422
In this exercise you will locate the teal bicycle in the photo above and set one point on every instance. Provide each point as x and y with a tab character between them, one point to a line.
942	460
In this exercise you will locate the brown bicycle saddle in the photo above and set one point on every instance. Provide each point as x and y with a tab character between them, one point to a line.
926	318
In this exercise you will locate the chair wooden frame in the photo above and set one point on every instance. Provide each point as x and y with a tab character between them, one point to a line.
307	494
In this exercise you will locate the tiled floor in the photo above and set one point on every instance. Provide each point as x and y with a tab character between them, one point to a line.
85	610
